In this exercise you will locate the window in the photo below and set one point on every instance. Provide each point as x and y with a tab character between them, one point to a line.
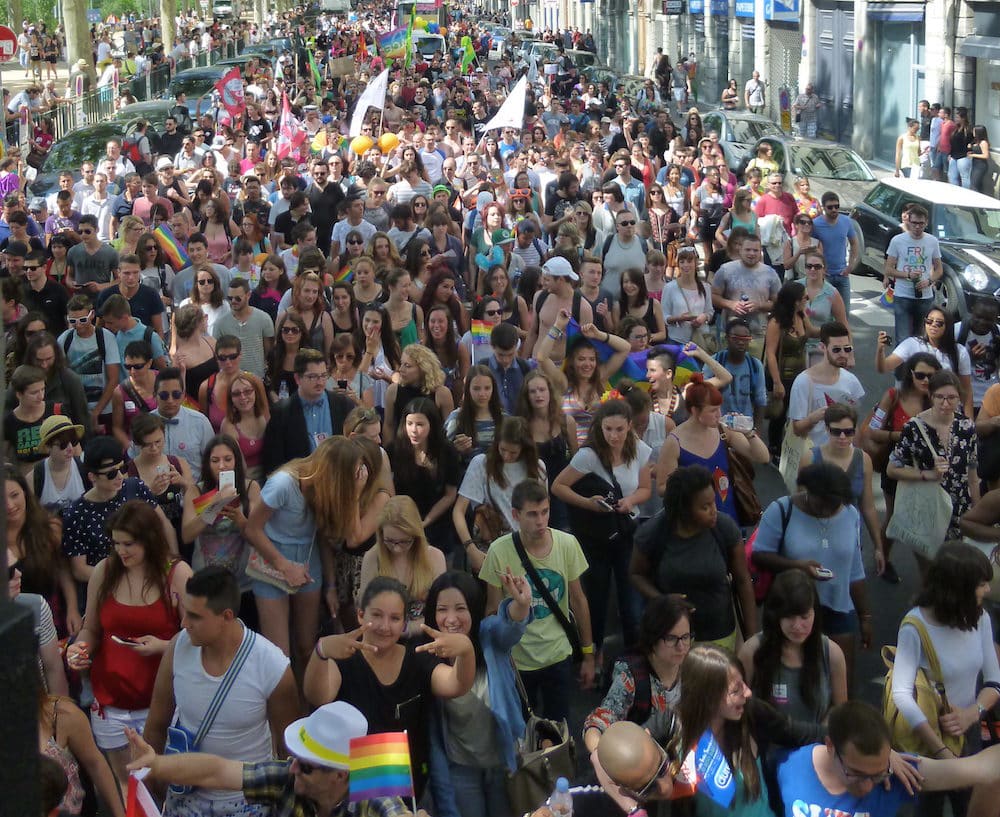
885	200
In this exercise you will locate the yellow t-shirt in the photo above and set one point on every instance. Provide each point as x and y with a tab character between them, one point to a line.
544	643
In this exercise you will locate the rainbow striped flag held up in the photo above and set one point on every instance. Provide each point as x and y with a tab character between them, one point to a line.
175	254
380	767
345	276
634	366
887	297
481	332
393	44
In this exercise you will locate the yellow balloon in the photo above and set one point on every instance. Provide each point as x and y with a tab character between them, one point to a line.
420	23
387	142
361	144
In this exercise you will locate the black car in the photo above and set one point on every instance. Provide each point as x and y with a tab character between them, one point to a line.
966	224
86	144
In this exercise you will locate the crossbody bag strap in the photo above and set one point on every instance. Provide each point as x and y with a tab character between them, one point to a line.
928	649
923	433
228	680
543	591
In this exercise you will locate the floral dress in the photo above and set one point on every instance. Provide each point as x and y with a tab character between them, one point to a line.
617	704
961	453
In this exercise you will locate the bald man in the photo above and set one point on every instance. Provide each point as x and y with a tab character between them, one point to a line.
629	762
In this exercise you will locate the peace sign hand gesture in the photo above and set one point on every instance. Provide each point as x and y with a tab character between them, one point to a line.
517	587
445	645
340	647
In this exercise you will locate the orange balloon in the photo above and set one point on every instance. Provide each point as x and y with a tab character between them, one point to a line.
362	144
443	31
387	142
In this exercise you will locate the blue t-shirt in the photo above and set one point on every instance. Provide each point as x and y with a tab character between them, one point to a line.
748	388
803	795
137	332
292	521
834	239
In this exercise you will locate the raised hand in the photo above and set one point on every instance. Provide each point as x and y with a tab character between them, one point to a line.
340	647
444	645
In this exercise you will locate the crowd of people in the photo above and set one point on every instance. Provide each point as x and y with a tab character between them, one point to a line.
378	446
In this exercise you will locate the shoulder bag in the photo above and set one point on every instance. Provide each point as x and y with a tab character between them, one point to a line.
741	474
545	753
793	447
536	581
488	522
260	569
879	451
929	693
922	511
180	739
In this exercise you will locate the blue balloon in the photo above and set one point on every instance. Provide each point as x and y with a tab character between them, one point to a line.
433	28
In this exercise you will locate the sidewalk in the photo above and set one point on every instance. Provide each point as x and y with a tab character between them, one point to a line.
12	76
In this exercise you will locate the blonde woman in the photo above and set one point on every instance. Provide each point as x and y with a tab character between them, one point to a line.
130	230
402	552
419	375
310	502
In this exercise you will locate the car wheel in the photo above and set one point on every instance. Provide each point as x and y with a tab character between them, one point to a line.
948	297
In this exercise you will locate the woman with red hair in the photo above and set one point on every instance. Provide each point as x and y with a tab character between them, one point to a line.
703	439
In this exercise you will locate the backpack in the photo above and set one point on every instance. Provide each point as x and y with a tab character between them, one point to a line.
963	334
610	238
762	579
577	300
723	356
642	698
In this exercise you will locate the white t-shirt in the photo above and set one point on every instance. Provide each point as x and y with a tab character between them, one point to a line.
586	461
984	366
914	255
241	730
912	345
807	396
474	486
343	227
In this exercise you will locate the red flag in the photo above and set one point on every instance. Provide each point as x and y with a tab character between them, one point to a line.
139	802
230	88
362	47
290	133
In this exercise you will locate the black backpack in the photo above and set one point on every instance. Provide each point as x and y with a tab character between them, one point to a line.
610	238
577	300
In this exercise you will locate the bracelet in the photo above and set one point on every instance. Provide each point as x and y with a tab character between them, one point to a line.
588	650
607	337
468	542
942	749
554	333
319	652
865	617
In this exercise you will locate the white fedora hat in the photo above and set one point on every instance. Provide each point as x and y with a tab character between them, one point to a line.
324	738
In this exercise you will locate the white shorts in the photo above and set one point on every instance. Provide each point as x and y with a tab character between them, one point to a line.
108	725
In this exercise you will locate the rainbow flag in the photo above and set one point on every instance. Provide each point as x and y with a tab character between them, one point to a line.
634	366
205	501
345	276
380	767
887	297
481	332
393	44
175	254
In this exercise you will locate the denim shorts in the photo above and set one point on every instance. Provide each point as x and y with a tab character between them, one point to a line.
838	623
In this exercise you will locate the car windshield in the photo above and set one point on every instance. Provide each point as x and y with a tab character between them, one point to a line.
194	87
977	224
79	147
750	130
828	163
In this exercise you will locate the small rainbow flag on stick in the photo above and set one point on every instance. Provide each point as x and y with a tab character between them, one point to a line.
481	332
345	276
175	254
887	297
380	767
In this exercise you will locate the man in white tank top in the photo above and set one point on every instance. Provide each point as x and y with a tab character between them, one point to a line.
261	702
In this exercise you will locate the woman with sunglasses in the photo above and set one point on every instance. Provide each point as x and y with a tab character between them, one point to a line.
419	204
646	681
634	301
345	374
59	480
247	415
207	295
133	612
818	530
938	340
166	476
308	303
274	283
473	351
708	202
842	424
135	395
291	337
951	457
824	303
800	245
377	206
154	271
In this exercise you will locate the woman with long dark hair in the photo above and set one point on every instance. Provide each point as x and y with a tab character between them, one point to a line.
790	664
291	337
440	289
440	338
382	352
472	425
274	283
939	340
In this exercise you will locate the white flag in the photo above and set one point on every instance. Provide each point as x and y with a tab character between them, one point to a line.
511	113
373	96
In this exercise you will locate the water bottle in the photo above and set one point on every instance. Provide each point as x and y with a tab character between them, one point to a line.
283	391
561	801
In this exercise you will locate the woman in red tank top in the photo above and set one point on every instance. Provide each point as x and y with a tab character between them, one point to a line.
133	610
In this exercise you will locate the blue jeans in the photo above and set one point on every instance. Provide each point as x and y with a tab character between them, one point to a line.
841	282
910	314
960	171
552	684
480	792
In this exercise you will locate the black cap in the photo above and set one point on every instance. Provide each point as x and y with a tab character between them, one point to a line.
101	452
17	248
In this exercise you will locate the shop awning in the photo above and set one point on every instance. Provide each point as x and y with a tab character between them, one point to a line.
977	46
896	12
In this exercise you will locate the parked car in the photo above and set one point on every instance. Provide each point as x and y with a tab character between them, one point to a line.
738	132
965	223
827	165
154	111
198	84
86	144
242	59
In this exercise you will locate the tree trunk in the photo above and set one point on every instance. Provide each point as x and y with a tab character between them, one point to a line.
16	8
78	44
168	24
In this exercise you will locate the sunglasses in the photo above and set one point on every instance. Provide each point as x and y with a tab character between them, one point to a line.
234	298
814	266
115	471
923	375
204	282
242	393
841	432
493	312
831	206
62	443
227	358
838	349
81	321
290	330
134	367
355	241
176	394
936	322
630	223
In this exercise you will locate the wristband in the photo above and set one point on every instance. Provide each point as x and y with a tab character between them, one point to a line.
588	650
468	542
319	651
637	811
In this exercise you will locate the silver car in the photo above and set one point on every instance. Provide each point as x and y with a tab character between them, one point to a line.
738	132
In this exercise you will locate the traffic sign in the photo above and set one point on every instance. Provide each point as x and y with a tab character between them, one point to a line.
514	3
8	44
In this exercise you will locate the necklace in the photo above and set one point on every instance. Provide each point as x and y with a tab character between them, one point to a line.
671	406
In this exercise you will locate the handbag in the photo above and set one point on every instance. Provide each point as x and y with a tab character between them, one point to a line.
179	739
538	766
792	448
922	511
702	336
488	522
598	526
261	570
928	692
877	450
542	588
741	473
